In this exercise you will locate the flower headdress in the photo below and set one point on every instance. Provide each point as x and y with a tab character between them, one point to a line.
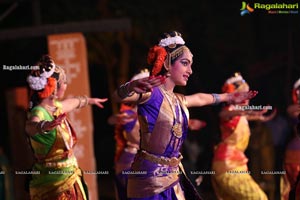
143	74
171	41
234	83
296	92
156	57
41	80
297	84
158	54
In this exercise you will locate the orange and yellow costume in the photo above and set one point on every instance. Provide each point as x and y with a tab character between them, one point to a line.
231	179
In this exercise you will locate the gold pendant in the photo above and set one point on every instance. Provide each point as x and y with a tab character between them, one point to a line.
177	130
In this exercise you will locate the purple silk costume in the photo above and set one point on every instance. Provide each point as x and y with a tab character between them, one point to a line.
148	179
123	162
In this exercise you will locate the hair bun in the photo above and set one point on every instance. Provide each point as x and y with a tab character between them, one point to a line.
45	64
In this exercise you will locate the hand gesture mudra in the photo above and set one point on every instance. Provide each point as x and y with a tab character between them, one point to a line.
261	115
97	101
50	125
146	84
240	97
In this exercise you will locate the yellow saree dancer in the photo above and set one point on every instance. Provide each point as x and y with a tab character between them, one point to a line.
57	173
232	180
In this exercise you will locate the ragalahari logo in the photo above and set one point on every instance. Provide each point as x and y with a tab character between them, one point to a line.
246	9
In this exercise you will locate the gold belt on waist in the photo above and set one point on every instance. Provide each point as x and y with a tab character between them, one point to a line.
67	163
172	162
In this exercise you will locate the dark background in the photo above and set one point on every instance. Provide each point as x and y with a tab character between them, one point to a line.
265	48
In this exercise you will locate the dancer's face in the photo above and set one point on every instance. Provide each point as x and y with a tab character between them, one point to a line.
62	86
181	69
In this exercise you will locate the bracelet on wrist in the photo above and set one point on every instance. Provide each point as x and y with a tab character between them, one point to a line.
129	94
40	127
216	98
123	91
83	101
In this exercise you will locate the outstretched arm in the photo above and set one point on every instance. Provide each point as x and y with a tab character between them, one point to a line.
130	92
70	104
260	115
228	114
35	126
202	99
252	115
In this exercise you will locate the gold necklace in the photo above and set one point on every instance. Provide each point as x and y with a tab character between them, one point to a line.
177	127
51	109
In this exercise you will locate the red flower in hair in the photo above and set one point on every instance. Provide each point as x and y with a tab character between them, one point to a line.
228	88
49	88
294	96
156	57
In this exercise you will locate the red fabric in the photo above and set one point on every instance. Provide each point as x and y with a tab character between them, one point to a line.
228	126
119	137
294	96
225	152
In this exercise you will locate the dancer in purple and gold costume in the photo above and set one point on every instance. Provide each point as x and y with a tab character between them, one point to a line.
232	180
127	137
163	116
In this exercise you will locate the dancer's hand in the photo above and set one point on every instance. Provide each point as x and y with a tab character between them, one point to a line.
260	115
240	97
97	101
199	180
196	124
146	84
50	125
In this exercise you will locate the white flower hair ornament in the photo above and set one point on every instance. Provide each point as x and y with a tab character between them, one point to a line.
237	77
297	84
143	74
171	41
39	82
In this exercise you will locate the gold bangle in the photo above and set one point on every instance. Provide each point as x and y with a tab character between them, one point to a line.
40	126
79	103
86	101
83	101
